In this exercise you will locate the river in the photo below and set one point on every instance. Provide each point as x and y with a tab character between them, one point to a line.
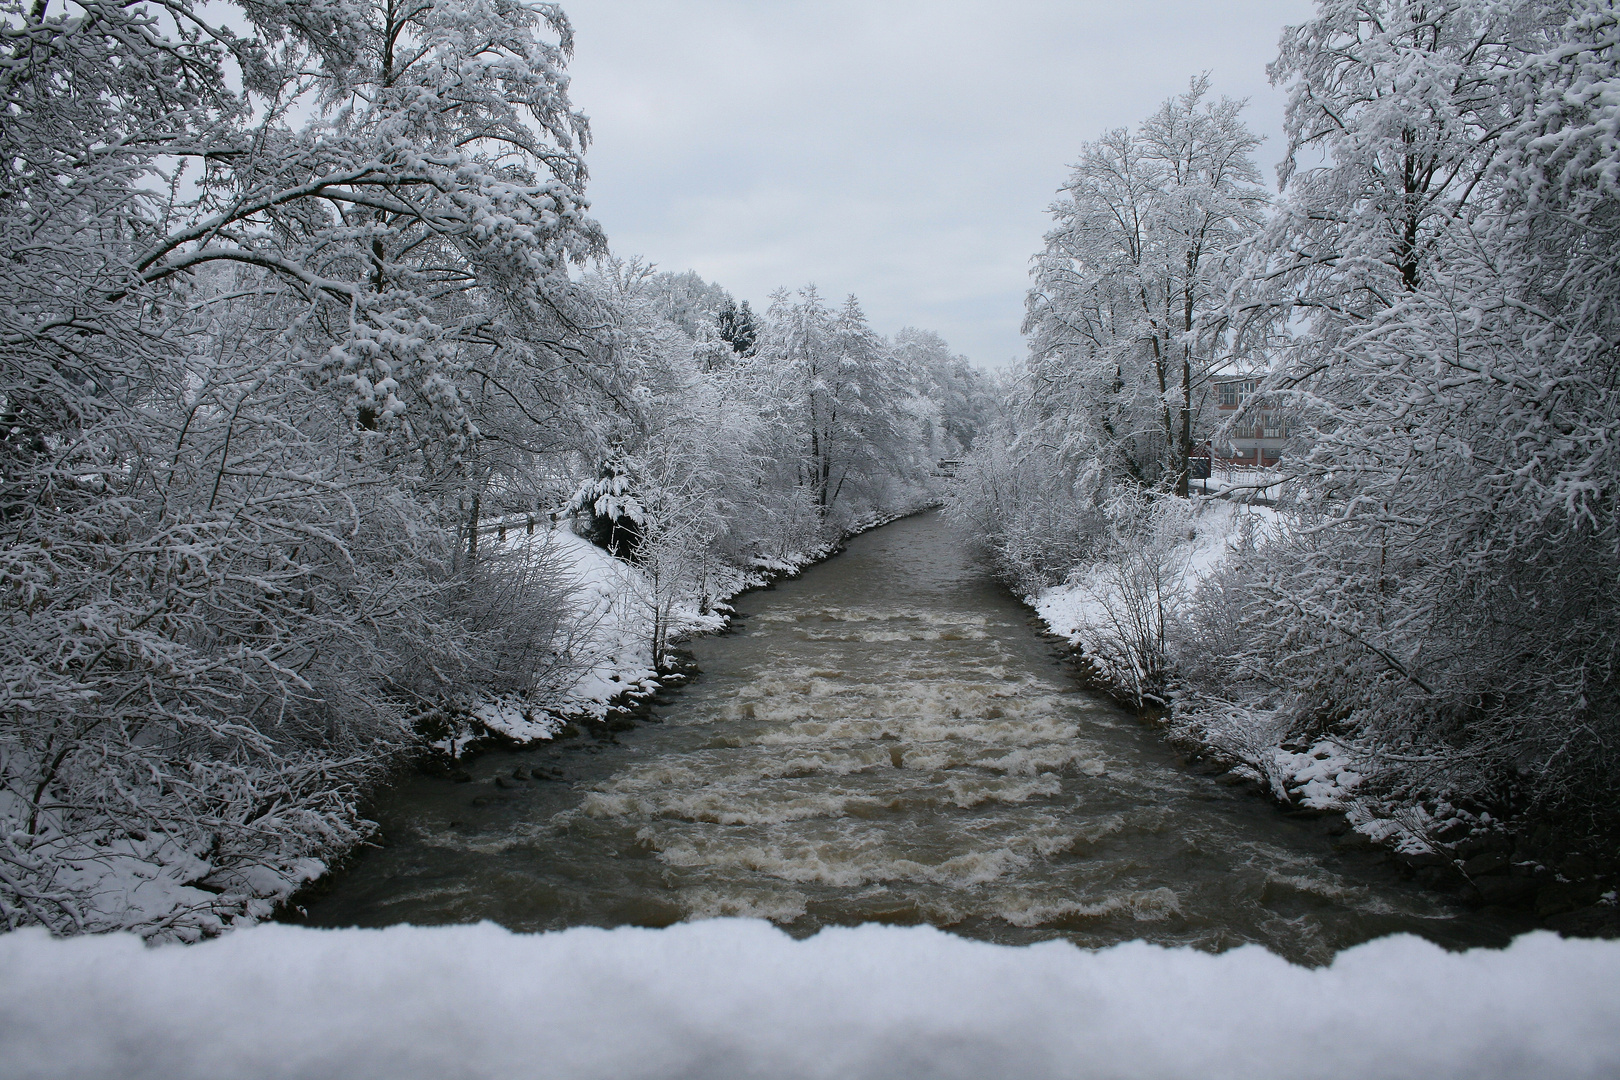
887	738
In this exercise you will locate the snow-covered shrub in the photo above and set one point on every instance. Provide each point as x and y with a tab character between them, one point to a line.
1029	515
607	512
1133	590
1487	683
513	613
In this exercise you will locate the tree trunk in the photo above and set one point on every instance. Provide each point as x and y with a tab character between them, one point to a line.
1184	450
1159	362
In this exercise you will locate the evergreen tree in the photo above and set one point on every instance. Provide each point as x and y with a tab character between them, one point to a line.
737	328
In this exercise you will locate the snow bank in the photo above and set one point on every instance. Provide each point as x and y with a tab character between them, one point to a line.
1079	609
608	647
615	614
736	998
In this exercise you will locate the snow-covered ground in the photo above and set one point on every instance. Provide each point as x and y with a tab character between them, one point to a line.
737	998
1242	480
1078	608
1100	608
612	612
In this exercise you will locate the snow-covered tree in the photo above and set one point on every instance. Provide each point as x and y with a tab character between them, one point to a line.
963	398
1122	338
739	328
1443	594
236	351
840	388
688	301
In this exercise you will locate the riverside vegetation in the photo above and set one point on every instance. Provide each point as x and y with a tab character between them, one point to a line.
1423	629
303	310
303	313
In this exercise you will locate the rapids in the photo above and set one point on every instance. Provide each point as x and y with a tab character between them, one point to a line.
886	738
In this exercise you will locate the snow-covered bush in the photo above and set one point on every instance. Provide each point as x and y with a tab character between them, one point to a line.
199	647
1134	591
513	614
1028	513
608	513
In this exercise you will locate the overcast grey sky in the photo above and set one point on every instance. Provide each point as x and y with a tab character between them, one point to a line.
902	150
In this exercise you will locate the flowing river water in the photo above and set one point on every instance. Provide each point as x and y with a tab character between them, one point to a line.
887	738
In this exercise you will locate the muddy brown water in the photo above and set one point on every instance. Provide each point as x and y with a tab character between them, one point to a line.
887	738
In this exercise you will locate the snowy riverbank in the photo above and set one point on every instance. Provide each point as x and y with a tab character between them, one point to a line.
1116	611
1115	608
613	607
735	998
191	887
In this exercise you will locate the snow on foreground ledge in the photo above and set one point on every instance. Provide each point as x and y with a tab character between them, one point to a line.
736	998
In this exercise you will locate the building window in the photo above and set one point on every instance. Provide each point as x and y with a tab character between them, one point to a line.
1272	426
1233	393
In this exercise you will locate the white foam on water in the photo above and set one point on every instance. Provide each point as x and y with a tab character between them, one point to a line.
781	906
1151	905
1144	819
1046	758
724	807
736	802
874	625
884	758
975	791
843	863
821	614
1039	726
1313	885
